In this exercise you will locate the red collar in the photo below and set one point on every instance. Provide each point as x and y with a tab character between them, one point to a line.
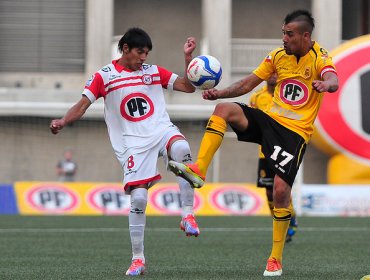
120	67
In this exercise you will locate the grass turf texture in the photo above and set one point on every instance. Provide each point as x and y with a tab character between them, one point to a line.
61	247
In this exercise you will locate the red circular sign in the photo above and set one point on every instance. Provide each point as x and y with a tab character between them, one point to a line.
52	198
335	117
109	200
235	200
167	200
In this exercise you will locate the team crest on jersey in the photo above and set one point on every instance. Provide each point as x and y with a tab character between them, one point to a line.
146	66
136	107
147	79
324	53
106	69
307	72
268	58
89	81
293	92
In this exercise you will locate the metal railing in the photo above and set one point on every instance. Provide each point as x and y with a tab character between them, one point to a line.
247	54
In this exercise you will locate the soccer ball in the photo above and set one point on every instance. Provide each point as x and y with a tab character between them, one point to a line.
204	72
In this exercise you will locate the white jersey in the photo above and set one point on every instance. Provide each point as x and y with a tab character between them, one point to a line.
134	105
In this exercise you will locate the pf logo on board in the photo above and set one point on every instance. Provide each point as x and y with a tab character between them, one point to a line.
109	200
167	200
51	198
235	200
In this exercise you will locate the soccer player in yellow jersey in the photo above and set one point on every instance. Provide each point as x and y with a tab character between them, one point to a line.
262	99
305	72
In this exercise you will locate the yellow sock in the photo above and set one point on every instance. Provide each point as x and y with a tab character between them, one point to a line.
291	207
271	207
211	141
280	226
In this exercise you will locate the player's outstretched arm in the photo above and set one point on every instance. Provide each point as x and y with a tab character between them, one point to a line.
73	114
182	83
238	88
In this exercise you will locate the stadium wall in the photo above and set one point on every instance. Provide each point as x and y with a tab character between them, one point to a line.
30	153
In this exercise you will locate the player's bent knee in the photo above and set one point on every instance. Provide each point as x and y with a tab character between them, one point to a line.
180	151
232	113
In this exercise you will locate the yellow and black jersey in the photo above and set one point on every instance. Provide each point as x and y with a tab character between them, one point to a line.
295	102
261	99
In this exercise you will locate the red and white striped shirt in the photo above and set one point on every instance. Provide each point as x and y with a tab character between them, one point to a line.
134	105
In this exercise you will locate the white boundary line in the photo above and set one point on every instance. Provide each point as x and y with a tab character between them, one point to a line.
253	229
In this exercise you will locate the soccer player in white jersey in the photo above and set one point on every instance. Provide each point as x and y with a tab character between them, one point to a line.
139	128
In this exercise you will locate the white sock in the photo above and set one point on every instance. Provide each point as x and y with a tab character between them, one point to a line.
137	220
180	152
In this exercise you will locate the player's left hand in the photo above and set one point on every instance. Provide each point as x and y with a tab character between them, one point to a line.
320	86
189	46
210	94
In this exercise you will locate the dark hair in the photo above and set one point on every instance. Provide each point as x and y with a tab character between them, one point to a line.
302	16
135	38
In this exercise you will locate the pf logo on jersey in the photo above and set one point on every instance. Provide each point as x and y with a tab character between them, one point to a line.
136	107
293	92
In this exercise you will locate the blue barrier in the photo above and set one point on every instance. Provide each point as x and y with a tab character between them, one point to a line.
8	203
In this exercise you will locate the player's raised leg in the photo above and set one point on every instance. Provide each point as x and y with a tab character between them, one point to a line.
190	172
195	173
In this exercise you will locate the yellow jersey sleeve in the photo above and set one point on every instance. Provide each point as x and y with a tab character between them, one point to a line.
266	68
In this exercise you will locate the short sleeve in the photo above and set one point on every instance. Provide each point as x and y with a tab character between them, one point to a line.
325	63
94	87
266	68
167	77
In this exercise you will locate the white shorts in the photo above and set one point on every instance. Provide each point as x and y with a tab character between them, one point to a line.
141	168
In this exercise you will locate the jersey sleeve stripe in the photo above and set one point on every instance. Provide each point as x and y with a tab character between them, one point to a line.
89	95
327	69
171	81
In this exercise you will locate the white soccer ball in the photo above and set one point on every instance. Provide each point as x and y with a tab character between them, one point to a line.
204	72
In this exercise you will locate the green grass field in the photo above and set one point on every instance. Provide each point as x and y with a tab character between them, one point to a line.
61	247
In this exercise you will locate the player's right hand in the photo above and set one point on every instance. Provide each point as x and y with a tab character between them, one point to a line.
56	126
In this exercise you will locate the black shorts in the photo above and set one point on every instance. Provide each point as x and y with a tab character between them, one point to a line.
265	176
283	148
